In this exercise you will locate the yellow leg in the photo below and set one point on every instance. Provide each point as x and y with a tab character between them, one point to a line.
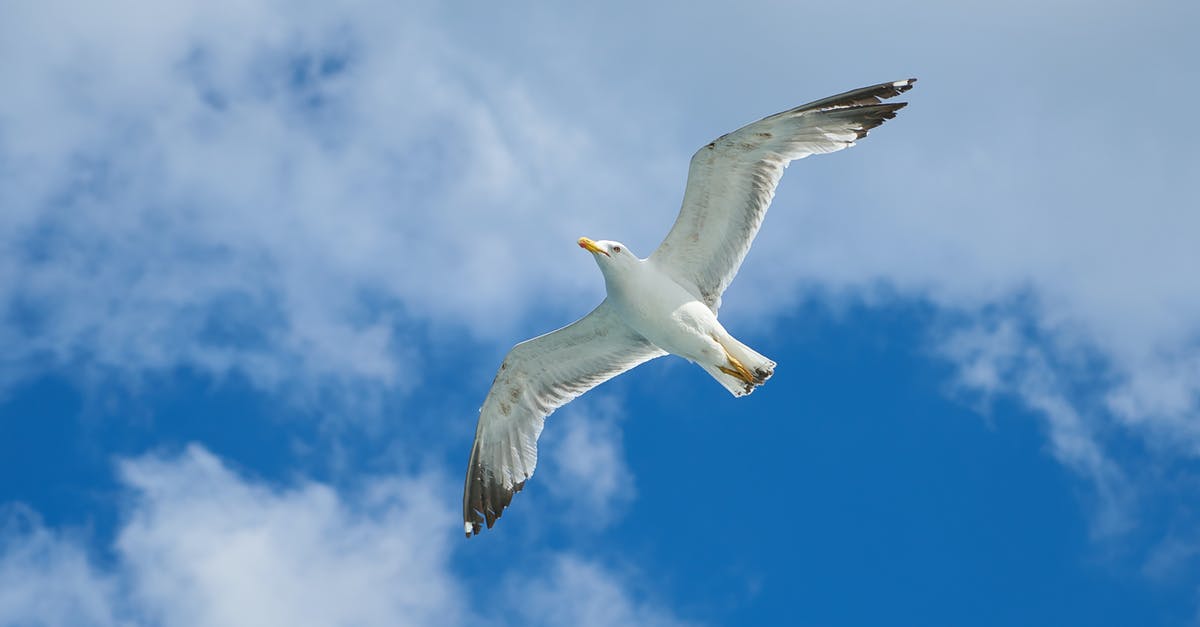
740	371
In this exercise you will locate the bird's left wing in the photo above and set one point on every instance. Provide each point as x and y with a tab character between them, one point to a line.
731	182
537	377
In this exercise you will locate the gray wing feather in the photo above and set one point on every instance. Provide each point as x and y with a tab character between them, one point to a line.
732	180
537	377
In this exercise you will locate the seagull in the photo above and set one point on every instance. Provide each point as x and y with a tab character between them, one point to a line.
666	303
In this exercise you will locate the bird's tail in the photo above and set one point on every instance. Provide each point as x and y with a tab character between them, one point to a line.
757	368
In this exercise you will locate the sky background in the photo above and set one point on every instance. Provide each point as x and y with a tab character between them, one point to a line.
259	261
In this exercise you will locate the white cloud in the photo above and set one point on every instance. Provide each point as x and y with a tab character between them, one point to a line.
585	594
1087	251
995	359
1169	559
586	467
1013	191
199	545
47	579
257	187
203	547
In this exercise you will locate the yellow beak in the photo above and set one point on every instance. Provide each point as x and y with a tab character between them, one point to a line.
591	246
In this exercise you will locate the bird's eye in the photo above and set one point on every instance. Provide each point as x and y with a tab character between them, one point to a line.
616	249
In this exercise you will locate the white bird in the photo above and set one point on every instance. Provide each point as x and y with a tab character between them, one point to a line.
666	303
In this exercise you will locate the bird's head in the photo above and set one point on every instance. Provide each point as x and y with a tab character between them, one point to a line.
609	254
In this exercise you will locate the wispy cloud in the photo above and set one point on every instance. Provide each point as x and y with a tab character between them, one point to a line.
47	578
586	469
996	359
1007	196
200	545
247	187
597	599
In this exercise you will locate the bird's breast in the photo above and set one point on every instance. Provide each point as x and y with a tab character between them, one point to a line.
662	311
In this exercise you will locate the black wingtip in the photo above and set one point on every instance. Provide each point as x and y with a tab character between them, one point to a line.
485	501
904	85
875	94
864	117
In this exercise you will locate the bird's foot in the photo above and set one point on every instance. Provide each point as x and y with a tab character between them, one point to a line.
740	371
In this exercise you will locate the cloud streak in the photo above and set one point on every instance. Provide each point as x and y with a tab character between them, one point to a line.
586	468
48	579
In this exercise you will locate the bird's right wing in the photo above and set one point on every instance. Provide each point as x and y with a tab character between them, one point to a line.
731	182
537	377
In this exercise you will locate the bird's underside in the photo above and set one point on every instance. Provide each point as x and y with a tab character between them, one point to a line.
667	302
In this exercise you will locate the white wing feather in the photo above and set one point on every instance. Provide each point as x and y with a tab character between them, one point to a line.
731	182
537	377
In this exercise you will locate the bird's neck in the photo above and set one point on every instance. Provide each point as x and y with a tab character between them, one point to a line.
624	279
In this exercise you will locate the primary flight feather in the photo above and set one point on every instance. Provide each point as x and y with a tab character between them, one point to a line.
666	303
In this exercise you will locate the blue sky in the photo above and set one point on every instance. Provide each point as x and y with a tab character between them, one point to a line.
260	260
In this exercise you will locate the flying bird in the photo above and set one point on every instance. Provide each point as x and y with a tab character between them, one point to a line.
666	303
